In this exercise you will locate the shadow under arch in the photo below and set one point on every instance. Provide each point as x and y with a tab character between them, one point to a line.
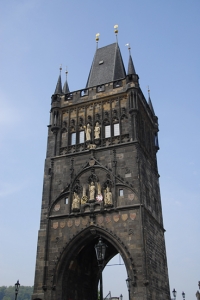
77	273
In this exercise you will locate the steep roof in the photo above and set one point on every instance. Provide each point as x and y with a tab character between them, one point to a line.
65	87
131	69
58	89
107	66
151	105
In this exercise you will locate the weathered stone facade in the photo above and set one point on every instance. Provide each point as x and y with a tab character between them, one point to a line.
101	183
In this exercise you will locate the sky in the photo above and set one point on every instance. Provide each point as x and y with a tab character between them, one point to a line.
36	36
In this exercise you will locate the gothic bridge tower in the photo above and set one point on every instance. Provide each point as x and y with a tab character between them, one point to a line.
101	179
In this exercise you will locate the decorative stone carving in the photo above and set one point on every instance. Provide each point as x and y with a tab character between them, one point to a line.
92	192
97	131
88	132
76	202
84	198
108	197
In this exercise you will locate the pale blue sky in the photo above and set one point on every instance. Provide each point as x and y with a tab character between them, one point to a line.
36	36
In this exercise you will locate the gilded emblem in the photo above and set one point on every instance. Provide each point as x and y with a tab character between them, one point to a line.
116	218
62	224
55	225
70	223
132	216
77	221
100	219
57	207
124	217
108	219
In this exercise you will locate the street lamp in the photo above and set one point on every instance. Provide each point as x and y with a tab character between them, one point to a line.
128	283
100	249
121	297
183	294
174	292
17	285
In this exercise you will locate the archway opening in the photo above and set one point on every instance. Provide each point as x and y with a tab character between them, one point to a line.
114	278
81	273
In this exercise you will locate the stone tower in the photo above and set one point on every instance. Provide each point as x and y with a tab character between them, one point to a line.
101	179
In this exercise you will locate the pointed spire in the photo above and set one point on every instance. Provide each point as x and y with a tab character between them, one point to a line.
65	86
149	102
131	68
58	89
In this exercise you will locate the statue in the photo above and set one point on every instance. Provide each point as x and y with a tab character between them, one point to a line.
84	198
88	132
108	197
92	191
97	131
99	196
76	202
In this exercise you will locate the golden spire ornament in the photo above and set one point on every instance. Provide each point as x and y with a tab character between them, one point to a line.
97	38
116	31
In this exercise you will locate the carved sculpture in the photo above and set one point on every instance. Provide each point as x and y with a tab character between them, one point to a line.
99	196
92	191
97	131
76	202
88	132
108	197
84	198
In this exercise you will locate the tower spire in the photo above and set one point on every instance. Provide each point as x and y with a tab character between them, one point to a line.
131	68
65	86
58	89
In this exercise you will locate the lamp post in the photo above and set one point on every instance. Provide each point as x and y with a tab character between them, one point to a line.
183	294
174	292
100	249
128	283
17	285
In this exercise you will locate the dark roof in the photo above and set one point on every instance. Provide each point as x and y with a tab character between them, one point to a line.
65	87
131	69
107	66
151	105
58	89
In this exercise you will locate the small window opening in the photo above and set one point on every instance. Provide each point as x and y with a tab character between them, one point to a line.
107	131
81	136
66	200
116	129
73	138
101	62
121	192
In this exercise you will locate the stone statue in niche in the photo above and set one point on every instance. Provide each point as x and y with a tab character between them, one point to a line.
84	198
97	131
88	132
108	197
76	202
92	191
99	196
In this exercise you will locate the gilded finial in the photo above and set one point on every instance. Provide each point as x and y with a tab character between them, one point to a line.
60	68
148	91
97	38
116	31
129	47
66	72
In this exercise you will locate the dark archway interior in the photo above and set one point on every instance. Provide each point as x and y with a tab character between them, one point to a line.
81	275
